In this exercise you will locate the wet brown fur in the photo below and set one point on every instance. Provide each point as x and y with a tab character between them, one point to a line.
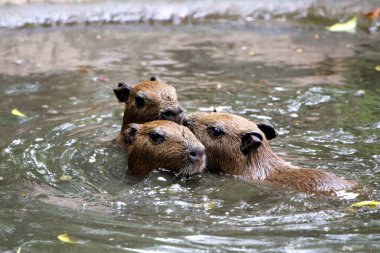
158	97
224	155
172	154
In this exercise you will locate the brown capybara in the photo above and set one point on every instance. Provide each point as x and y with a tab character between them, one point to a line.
148	101
163	144
237	146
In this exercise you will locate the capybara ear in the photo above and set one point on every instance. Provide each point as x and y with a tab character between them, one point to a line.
122	92
268	130
155	78
250	141
130	133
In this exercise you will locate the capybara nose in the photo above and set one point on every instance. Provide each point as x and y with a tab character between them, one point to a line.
197	154
173	115
250	141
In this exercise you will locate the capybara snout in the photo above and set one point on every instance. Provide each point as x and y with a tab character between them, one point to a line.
175	115
196	154
163	144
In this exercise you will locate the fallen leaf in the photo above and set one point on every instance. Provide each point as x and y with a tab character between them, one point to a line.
65	178
83	69
210	205
18	113
368	203
101	78
65	238
348	26
377	68
374	14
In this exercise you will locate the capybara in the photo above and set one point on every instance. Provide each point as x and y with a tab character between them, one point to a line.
237	146
148	101
163	144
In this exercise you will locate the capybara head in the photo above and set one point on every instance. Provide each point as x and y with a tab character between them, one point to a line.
237	146
232	142
148	101
163	144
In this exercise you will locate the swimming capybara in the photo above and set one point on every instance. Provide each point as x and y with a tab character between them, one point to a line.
148	101
162	144
237	146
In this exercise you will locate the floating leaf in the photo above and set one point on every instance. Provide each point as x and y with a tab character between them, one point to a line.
65	178
368	203
348	26
209	205
65	238
377	68
83	69
18	113
373	15
101	78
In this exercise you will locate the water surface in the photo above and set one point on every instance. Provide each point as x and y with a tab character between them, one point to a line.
321	92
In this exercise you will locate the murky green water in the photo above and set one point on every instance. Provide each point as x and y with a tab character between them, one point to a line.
321	92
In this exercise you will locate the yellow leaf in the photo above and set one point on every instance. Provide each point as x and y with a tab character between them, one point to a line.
377	68
373	15
65	238
19	250
368	203
65	178
348	26
210	205
17	113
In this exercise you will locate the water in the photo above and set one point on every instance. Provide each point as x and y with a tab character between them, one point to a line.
321	92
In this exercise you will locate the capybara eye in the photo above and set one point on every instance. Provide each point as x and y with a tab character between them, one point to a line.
215	131
139	101
167	113
156	137
155	78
